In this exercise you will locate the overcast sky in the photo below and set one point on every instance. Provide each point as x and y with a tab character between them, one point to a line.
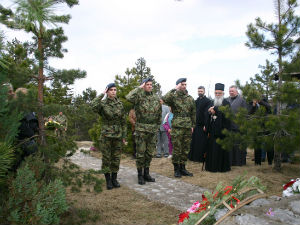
202	40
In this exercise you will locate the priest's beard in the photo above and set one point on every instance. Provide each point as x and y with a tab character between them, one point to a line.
218	100
201	95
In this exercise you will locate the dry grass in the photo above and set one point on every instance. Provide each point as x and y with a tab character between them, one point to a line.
271	179
117	206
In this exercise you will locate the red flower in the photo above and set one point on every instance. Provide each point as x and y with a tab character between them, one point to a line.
183	216
228	190
204	199
289	184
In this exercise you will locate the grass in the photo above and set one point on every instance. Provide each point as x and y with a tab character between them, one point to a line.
125	206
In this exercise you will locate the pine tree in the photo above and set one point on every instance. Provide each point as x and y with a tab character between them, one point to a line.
278	38
35	17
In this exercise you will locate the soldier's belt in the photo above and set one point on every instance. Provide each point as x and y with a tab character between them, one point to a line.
112	123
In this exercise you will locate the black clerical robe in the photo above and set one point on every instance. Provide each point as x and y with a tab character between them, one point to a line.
199	137
217	158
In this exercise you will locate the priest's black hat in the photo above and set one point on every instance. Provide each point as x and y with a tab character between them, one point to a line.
219	86
180	80
110	86
146	80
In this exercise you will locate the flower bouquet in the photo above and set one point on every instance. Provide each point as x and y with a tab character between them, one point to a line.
203	212
291	188
52	125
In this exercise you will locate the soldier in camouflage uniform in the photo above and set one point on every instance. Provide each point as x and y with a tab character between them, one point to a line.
148	115
184	110
113	133
63	121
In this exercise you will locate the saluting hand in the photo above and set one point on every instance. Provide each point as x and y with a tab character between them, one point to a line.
142	85
105	91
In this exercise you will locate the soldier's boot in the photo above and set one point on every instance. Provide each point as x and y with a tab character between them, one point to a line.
109	185
114	181
141	180
184	172
147	176
177	170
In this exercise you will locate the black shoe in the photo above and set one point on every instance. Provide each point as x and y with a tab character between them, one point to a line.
147	176
166	155
177	173
158	156
184	172
114	181
109	185
141	180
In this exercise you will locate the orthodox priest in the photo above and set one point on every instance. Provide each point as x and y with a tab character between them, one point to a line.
217	158
199	137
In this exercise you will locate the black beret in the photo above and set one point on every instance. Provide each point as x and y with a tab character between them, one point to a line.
146	80
110	86
219	86
180	80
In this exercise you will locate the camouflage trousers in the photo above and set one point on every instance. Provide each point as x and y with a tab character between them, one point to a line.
181	140
145	148
111	149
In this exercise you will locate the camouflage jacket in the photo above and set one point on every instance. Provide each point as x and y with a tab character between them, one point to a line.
62	120
147	110
113	116
183	108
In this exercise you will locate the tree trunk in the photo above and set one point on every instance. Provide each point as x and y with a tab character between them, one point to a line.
277	159
42	139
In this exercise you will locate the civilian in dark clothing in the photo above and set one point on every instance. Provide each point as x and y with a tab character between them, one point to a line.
238	156
254	106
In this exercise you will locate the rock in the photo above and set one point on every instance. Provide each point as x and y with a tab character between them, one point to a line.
259	202
285	216
220	213
295	206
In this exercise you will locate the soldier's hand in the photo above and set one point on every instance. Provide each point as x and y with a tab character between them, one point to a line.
105	91
192	129
142	85
125	142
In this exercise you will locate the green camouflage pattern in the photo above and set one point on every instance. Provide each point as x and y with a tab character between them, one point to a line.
147	110
148	118
184	119
145	148
62	120
113	130
111	150
183	108
113	117
181	140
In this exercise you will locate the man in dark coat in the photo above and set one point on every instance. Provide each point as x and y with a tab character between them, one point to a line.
199	137
238	156
217	158
254	106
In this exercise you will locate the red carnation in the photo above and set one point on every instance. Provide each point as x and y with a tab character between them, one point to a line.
183	216
289	184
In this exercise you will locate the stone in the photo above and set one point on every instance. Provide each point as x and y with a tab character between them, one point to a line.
295	206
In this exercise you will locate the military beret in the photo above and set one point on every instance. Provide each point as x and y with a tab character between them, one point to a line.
219	86
146	80
110	86
180	80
